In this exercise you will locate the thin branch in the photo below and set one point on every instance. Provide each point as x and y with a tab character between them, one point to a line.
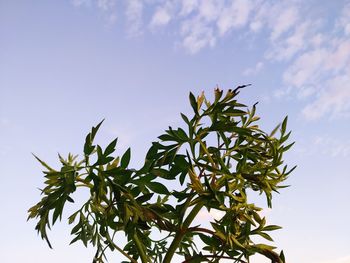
119	249
212	256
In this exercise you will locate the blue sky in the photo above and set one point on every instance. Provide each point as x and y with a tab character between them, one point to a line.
65	65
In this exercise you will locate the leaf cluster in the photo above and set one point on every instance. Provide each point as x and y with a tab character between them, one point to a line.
216	159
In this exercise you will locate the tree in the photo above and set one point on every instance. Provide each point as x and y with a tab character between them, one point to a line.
214	163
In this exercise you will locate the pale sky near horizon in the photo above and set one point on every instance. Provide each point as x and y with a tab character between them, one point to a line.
65	65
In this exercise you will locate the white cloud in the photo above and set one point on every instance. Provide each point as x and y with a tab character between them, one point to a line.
210	10
284	21
210	20
254	70
282	92
325	72
286	47
321	71
330	146
333	101
106	5
188	6
197	35
81	2
234	16
306	69
133	13
160	18
339	56
344	20
317	56
276	17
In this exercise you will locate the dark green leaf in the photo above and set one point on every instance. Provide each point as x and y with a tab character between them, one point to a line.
157	188
193	103
124	162
144	198
111	147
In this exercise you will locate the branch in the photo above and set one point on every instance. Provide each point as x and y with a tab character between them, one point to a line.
200	229
119	249
140	249
180	234
212	256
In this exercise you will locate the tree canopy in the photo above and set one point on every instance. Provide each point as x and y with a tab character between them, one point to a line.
215	161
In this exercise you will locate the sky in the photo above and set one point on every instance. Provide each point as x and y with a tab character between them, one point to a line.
66	65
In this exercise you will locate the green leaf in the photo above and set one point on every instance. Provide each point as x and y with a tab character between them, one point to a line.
166	137
111	147
286	148
271	228
95	129
88	148
163	173
184	117
193	103
264	247
266	236
181	134
234	112
206	239
274	130
44	164
58	209
72	217
144	198
158	188
76	227
182	177
284	125
200	100
124	162
282	257
75	239
285	137
218	94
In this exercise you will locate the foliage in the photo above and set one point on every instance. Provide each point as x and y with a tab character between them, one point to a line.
213	163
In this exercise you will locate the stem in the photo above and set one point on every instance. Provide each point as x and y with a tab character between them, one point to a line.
200	229
181	233
207	153
140	249
120	250
212	256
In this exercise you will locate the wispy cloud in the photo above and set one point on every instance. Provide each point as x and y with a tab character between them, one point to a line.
319	66
325	70
344	20
107	7
163	14
197	35
133	13
324	145
188	6
254	70
235	15
314	50
81	2
333	101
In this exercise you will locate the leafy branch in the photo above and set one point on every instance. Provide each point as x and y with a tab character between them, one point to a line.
217	157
